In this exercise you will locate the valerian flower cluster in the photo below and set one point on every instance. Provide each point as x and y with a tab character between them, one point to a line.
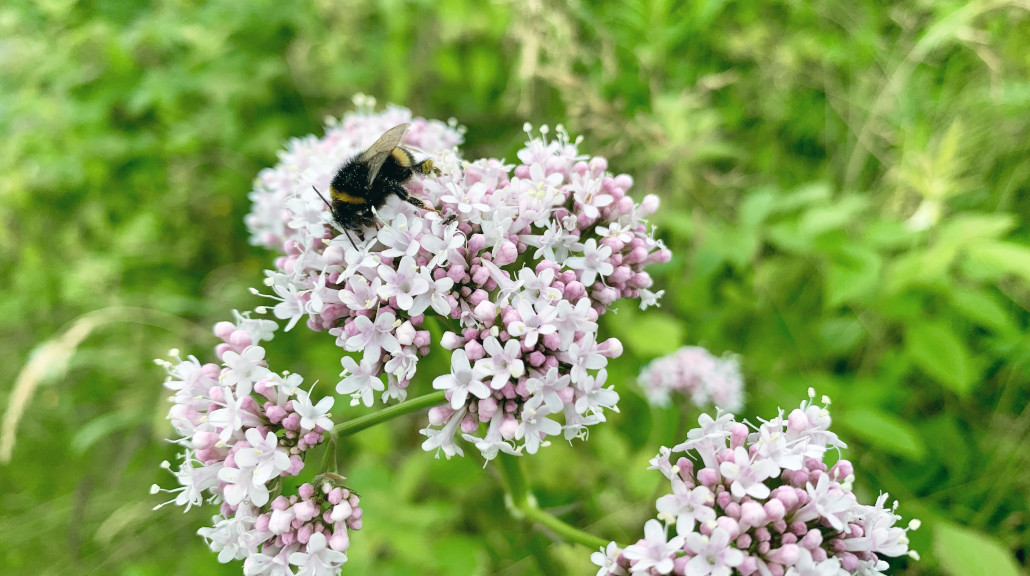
760	500
534	254
243	428
698	374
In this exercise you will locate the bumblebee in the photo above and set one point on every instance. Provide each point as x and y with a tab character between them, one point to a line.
364	183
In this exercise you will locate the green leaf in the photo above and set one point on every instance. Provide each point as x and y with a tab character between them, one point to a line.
841	334
937	350
884	431
918	268
757	206
962	229
965	552
1002	258
101	426
854	272
982	308
835	216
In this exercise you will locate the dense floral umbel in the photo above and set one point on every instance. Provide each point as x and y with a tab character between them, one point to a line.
243	427
536	253
697	374
763	502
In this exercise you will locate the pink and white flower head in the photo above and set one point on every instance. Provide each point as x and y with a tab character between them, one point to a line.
243	428
535	254
760	501
694	372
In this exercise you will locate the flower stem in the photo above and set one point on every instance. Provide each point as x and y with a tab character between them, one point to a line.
523	505
378	417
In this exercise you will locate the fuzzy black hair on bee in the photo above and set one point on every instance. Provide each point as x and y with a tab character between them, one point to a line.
363	184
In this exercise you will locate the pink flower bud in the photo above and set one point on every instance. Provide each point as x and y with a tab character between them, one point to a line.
774	509
304	533
476	243
280	521
261	523
551	341
224	330
275	413
640	281
648	206
610	348
341	511
752	514
336	495
574	291
708	477
485	311
507	254
450	341
812	540
340	540
624	182
474	350
749	566
240	340
405	334
731	526
438	415
469	424
487	408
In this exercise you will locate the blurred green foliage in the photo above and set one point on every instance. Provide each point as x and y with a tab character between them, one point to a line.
845	190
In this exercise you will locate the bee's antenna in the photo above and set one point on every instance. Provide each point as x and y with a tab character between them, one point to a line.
322	197
330	206
347	232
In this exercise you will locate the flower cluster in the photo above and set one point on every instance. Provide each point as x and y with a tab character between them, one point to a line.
697	374
534	254
761	502
243	427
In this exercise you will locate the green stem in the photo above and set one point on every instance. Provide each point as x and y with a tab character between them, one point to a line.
378	417
524	505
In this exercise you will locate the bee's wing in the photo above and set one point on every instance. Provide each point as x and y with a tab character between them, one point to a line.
380	151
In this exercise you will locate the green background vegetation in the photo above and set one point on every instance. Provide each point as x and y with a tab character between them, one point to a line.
792	143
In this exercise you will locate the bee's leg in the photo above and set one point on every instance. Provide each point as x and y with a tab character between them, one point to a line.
426	167
418	203
372	219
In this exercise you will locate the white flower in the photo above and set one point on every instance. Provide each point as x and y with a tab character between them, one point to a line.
232	537
462	380
748	478
400	237
686	506
654	551
360	380
443	439
244	369
536	320
242	484
403	283
713	555
318	559
312	415
265	456
593	262
535	426
504	363
608	560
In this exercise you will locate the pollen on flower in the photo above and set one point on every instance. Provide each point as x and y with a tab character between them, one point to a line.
761	500
518	266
